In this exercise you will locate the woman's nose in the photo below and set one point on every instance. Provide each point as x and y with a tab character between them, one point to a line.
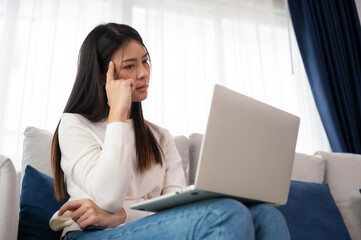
141	72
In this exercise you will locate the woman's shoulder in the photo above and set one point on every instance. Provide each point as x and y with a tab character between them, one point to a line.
156	127
74	119
79	121
161	134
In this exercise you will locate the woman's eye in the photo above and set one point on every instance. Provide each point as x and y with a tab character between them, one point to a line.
129	66
146	61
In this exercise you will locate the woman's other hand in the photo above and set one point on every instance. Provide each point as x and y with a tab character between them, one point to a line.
119	93
88	215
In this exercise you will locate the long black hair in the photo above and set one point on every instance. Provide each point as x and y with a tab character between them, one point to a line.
89	99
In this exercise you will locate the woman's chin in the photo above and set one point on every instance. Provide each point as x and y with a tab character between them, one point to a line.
138	99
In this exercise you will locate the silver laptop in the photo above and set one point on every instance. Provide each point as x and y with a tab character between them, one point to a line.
247	154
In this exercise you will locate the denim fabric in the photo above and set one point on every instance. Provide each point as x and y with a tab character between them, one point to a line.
209	219
269	223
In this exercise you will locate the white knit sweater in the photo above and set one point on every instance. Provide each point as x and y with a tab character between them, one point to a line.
99	163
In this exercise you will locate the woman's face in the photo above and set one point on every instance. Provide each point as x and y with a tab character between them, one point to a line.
132	62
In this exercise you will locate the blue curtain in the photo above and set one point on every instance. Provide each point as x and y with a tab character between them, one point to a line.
328	33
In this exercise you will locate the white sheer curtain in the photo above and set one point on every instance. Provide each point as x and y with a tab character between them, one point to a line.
243	45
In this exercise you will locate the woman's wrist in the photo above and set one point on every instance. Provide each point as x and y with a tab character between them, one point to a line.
117	116
117	218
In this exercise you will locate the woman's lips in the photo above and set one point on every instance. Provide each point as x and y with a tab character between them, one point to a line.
142	88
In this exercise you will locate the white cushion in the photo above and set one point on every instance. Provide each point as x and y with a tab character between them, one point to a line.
9	200
195	142
343	175
36	150
182	145
308	168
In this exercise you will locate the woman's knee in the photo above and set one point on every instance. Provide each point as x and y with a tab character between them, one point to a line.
231	218
229	207
269	222
266	212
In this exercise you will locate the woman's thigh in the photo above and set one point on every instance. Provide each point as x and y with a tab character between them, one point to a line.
208	219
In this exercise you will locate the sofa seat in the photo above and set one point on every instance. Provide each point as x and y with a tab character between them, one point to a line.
340	171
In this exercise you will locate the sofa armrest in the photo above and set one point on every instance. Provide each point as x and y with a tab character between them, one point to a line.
9	200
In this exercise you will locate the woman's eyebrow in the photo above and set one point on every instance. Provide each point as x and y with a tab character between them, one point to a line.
134	59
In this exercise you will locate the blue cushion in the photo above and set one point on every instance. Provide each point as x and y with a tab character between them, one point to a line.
311	213
37	206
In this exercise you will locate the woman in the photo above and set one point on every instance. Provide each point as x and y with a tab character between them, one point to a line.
105	157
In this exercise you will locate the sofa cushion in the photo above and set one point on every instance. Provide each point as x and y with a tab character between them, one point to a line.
343	175
195	142
37	206
182	145
36	150
311	213
308	168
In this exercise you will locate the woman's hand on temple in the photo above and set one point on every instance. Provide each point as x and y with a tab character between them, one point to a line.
88	215
119	93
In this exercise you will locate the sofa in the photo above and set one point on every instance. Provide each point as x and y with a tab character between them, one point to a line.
324	200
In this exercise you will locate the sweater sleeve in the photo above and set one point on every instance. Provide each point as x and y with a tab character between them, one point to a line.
89	164
174	175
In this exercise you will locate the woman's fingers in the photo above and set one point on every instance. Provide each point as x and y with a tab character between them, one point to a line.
87	214
93	221
90	215
119	94
78	213
110	72
79	208
70	206
132	85
84	222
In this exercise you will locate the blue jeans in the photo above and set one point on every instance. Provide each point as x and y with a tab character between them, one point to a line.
209	219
